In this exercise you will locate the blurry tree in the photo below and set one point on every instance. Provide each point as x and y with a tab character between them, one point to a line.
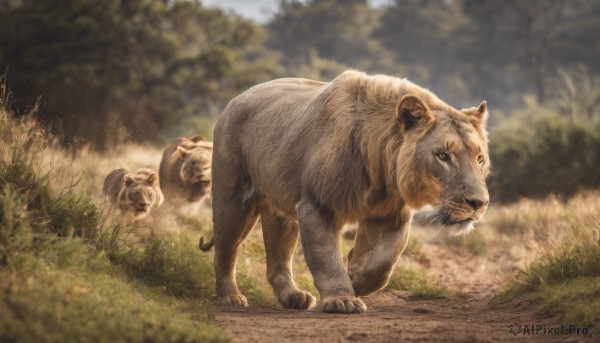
577	43
530	25
436	45
334	30
466	50
420	31
551	155
540	22
579	96
113	70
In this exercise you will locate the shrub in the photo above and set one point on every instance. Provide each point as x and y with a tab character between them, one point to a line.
551	154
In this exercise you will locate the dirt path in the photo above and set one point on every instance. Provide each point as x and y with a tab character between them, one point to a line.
390	318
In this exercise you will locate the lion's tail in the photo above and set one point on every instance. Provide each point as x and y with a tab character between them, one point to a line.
207	246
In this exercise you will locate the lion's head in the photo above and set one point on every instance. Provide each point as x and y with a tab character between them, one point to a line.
140	192
444	162
196	166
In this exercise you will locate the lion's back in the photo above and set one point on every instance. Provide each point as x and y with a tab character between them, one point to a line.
264	135
275	100
168	164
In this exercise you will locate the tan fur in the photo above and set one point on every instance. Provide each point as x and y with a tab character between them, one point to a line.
309	157
133	193
185	169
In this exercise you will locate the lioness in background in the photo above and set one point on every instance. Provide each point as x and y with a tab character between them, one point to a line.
309	156
133	193
185	169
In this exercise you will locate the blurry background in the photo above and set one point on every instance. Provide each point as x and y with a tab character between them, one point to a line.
114	81
106	73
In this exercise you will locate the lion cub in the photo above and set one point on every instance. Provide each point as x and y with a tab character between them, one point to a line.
185	170
133	193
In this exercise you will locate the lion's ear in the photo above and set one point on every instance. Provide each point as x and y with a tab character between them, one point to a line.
478	114
411	111
152	179
129	179
199	138
182	152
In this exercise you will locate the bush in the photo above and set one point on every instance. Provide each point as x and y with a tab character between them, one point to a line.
549	154
58	279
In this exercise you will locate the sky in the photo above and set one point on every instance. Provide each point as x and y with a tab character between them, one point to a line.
257	10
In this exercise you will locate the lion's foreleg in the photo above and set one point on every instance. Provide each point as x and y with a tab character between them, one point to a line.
379	243
317	232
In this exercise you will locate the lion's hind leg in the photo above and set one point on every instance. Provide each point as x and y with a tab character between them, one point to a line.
281	237
232	222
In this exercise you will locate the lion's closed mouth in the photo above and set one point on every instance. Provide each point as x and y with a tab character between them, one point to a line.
461	222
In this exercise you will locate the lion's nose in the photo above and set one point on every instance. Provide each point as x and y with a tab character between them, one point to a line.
476	203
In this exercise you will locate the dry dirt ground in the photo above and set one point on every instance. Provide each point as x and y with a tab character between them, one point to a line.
392	317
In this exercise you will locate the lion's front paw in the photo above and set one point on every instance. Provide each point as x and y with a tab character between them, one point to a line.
299	300
344	304
233	300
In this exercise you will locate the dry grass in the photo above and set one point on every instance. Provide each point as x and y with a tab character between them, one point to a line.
66	272
158	257
563	278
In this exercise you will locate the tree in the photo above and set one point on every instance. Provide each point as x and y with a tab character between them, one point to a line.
529	24
122	70
336	30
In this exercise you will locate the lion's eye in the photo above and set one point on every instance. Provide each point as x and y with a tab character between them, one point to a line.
480	159
443	156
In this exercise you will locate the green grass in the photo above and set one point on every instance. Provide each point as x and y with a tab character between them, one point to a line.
474	242
49	302
307	284
257	292
171	263
413	280
575	301
564	282
67	275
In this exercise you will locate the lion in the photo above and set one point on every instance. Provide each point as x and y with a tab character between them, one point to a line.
185	170
308	157
133	193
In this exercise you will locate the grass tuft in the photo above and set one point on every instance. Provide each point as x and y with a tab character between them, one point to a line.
564	281
413	280
172	263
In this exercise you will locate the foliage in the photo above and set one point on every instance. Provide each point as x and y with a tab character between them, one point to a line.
116	71
171	263
90	302
330	29
564	280
107	69
538	153
65	276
